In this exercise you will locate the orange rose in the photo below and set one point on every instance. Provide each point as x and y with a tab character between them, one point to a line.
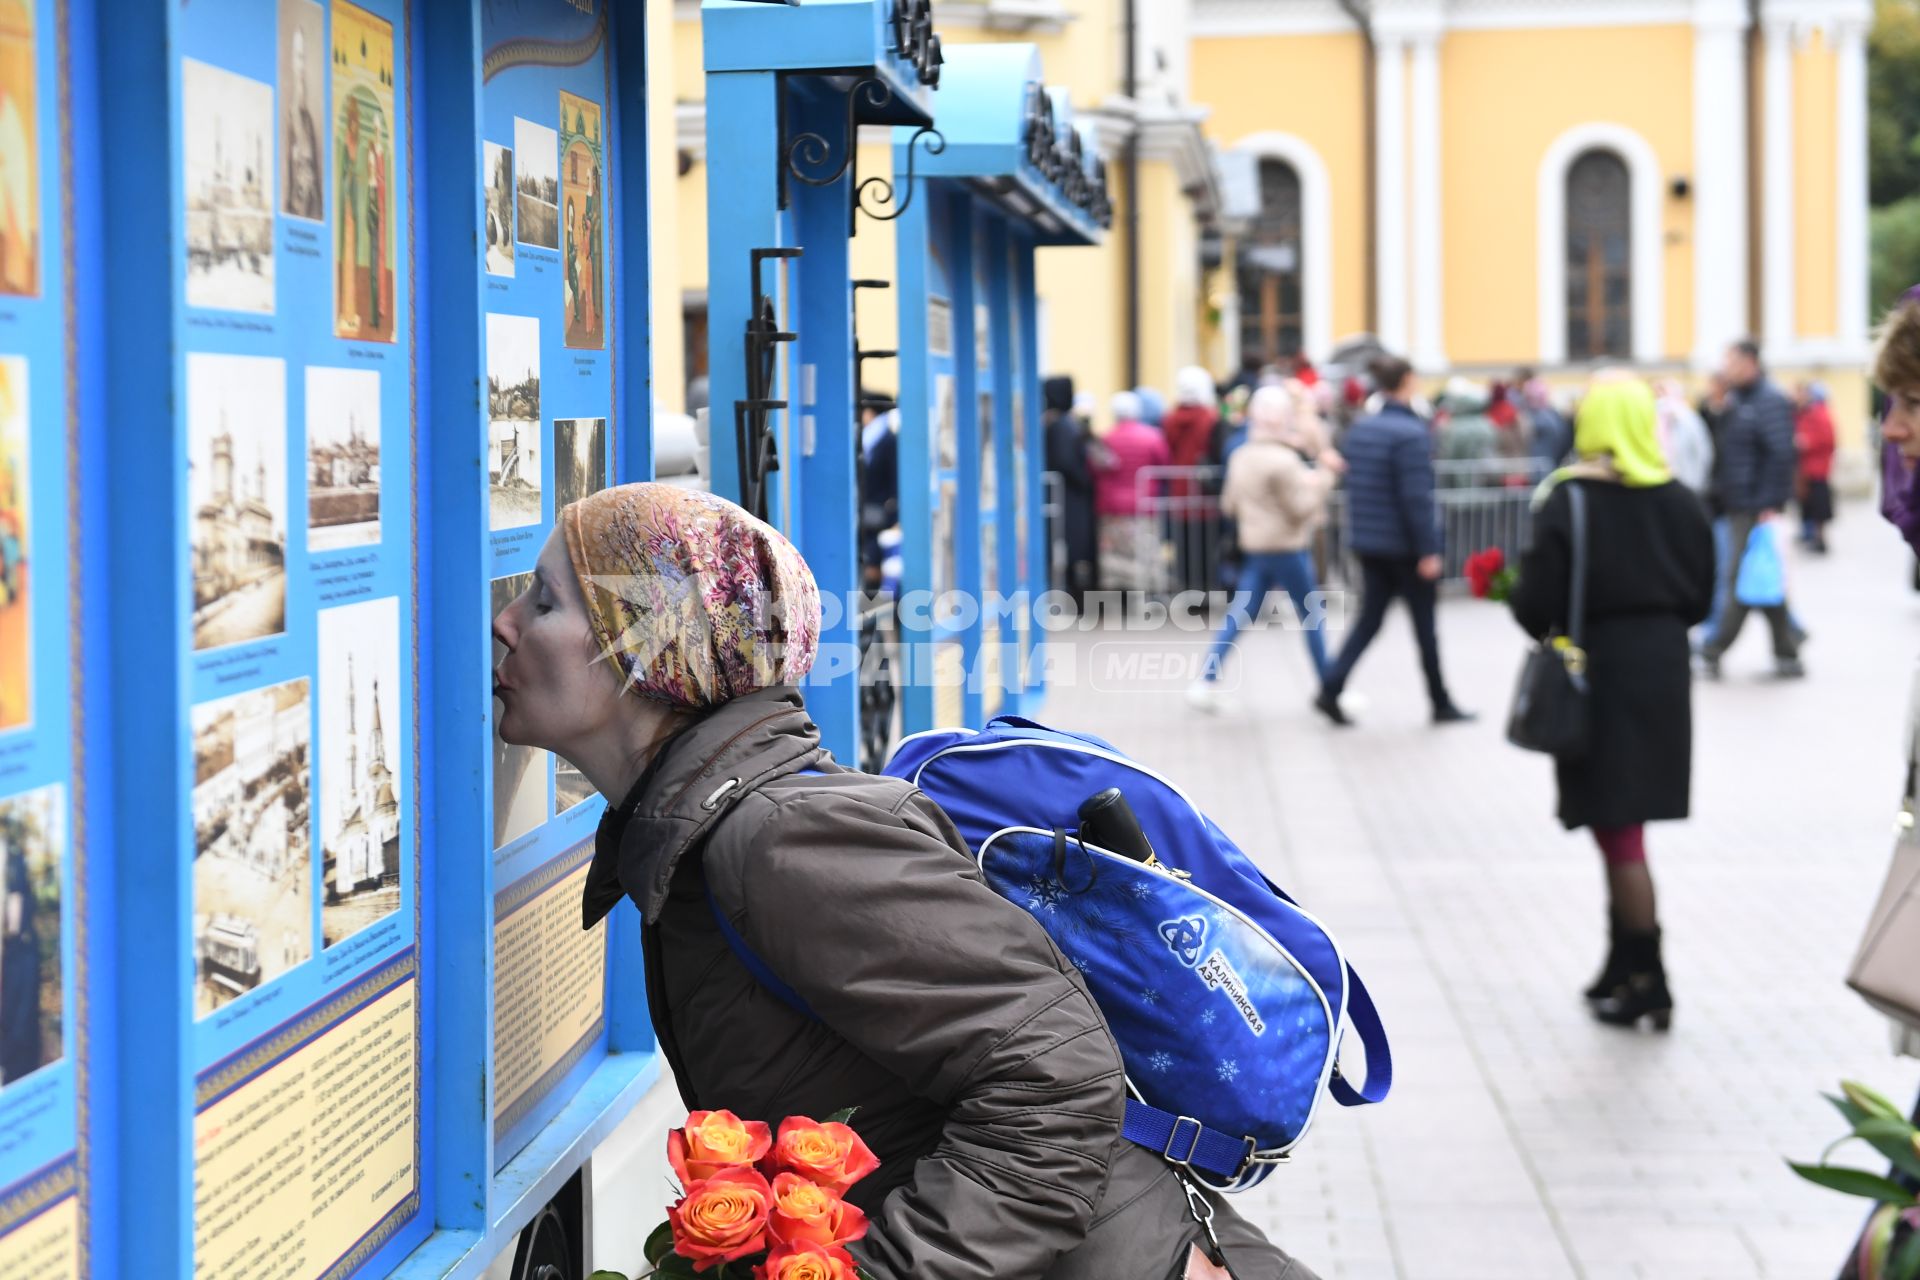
807	1213
807	1262
829	1154
722	1218
715	1140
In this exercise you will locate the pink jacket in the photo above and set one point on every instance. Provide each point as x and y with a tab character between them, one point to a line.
1117	459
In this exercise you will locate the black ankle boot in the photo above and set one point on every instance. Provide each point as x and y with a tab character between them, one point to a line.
1614	971
1642	993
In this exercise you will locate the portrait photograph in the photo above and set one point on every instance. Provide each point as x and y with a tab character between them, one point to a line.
519	773
33	855
536	153
499	209
363	756
252	864
227	142
513	421
343	458
237	496
364	207
582	157
20	236
579	459
303	110
16	546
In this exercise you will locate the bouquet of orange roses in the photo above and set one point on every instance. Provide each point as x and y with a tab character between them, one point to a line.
762	1204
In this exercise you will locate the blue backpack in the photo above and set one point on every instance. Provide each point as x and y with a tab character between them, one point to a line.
1225	996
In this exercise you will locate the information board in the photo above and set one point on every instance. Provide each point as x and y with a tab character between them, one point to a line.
546	440
44	1156
294	322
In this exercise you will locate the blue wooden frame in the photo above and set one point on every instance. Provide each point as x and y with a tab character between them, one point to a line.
1011	178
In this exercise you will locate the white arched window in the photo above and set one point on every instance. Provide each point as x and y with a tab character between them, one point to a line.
1285	283
1601	288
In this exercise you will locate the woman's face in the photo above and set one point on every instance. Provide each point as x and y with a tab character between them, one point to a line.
552	691
1902	425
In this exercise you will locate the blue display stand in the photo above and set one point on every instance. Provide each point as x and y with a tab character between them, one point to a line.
313	313
1014	175
787	88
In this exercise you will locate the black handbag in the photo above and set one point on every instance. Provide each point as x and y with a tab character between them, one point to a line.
1551	712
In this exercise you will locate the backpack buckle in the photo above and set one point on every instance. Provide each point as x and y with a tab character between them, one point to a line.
1192	1145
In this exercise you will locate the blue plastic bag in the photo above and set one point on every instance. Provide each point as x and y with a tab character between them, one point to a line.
1762	580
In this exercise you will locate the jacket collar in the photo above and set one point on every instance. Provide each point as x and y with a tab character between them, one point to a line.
692	781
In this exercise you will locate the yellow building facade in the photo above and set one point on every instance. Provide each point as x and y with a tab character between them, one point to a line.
1484	185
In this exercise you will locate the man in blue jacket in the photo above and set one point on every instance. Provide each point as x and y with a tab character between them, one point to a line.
1393	526
1755	478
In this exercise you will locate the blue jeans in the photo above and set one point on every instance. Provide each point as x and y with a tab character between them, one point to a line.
1261	572
1722	537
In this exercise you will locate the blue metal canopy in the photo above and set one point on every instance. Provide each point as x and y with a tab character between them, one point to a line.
1015	141
887	40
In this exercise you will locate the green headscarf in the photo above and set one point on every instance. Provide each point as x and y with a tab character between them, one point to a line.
1617	422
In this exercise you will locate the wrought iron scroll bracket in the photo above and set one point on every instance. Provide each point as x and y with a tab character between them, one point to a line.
808	155
884	207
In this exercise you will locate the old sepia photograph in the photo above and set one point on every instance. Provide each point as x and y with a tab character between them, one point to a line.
252	865
582	157
237	493
570	786
364	207
513	421
343	458
16	547
303	109
499	211
536	151
519	773
363	744
33	855
579	459
20	235
227	140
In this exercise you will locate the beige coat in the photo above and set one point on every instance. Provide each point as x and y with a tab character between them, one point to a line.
1275	498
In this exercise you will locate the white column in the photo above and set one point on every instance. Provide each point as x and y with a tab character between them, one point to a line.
1390	193
1719	178
1776	210
1429	350
1851	189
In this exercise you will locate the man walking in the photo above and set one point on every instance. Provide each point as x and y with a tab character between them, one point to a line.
1755	480
1394	530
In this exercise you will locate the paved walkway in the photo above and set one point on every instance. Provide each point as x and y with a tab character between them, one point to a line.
1523	1140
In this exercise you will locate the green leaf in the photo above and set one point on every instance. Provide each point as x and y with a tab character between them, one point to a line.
1853	1115
606	1275
843	1116
676	1267
1854	1182
659	1244
1871	1102
1892	1139
1905	1263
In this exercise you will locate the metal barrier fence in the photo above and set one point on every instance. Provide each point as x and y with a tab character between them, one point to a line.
1177	543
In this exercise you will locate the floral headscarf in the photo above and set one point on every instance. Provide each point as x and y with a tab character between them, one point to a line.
697	600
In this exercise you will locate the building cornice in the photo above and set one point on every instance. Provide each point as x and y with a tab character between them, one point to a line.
1021	17
690	129
1166	133
1414	20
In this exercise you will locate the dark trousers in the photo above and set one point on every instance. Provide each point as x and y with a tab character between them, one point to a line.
1786	645
1382	579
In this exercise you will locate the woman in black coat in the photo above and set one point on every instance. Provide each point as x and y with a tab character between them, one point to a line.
1649	578
1066	444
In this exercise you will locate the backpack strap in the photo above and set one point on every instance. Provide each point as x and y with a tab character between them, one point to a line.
1373	1040
745	954
1185	1141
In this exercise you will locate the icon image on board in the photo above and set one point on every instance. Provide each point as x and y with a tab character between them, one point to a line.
363	194
33	851
237	485
537	183
513	421
343	458
580	162
19	152
227	139
519	773
499	210
252	865
16	631
302	113
359	782
579	459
